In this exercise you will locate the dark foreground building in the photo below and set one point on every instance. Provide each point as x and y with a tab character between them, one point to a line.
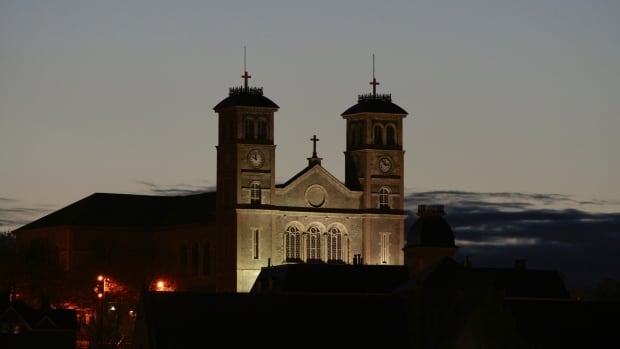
24	327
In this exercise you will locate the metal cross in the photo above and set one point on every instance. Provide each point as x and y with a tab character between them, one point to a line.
314	140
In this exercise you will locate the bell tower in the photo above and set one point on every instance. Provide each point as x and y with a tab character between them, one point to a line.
245	174
374	165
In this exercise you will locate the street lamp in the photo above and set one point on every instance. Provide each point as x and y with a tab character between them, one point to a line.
100	291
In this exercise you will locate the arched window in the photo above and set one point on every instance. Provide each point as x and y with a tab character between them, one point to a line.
391	134
183	259
195	259
249	128
255	193
359	134
384	198
262	129
206	258
292	244
378	133
352	134
335	245
313	243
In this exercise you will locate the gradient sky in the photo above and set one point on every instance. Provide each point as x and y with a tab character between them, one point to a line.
118	96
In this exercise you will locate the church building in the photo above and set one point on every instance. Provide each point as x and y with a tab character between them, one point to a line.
219	241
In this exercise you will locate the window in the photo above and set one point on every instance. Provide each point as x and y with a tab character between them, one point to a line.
256	242
334	244
391	135
249	128
292	243
378	134
313	243
262	129
385	248
384	198
206	258
183	259
255	193
359	134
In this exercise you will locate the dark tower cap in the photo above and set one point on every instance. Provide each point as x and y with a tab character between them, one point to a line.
374	103
430	229
246	96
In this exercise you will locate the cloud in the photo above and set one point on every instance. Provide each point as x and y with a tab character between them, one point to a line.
495	229
13	217
174	190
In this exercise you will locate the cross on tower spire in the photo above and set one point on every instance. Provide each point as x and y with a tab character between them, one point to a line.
374	82
314	140
245	75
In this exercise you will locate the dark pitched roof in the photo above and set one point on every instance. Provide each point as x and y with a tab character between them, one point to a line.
41	319
126	210
251	97
509	282
374	104
187	320
330	278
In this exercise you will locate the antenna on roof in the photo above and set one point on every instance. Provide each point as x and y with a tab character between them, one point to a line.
245	75
374	82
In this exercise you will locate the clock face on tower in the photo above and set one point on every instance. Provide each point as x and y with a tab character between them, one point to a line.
256	158
385	164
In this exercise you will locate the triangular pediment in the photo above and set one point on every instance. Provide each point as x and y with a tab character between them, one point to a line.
315	187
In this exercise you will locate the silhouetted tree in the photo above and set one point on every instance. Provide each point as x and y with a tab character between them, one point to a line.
40	271
8	254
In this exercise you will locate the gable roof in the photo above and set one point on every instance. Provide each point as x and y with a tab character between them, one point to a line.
317	169
128	210
330	278
39	319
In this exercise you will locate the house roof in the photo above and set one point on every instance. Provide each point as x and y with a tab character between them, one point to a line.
187	320
510	282
330	278
39	319
127	210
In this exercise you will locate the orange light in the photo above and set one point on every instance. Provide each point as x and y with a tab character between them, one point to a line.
100	278
99	295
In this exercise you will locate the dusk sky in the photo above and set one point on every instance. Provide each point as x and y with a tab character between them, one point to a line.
505	99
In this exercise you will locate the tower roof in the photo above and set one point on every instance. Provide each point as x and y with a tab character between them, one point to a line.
430	229
374	103
247	97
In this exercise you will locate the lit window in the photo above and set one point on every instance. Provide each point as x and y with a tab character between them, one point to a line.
313	243
385	248
292	242
384	197
335	244
255	193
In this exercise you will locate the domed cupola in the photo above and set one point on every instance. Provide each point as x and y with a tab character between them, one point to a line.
429	240
430	229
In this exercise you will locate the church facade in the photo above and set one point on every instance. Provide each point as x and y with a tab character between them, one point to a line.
313	217
219	241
